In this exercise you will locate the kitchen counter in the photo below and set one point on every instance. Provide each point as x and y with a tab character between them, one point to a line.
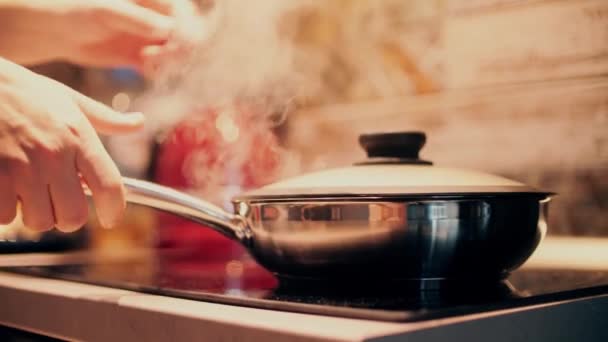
76	311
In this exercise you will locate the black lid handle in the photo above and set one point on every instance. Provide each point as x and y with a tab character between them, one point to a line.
394	147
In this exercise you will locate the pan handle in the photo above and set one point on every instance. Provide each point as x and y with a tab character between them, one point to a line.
175	202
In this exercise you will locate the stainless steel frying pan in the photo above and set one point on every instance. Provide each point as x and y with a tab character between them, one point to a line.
393	216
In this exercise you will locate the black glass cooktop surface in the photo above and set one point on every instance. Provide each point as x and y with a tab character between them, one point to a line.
240	281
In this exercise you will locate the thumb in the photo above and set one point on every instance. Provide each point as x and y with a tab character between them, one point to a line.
105	120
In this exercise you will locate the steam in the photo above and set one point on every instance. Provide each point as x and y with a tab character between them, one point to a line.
240	60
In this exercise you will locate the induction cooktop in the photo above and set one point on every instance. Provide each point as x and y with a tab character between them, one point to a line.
240	281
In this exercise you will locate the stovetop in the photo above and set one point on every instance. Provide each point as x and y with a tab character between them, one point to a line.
240	281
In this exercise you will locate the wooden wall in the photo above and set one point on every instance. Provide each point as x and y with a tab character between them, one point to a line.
515	87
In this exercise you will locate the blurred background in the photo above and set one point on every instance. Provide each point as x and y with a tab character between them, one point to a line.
513	87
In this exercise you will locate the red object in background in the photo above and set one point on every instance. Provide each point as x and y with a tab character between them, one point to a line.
209	152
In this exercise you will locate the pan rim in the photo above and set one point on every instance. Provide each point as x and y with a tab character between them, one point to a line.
396	197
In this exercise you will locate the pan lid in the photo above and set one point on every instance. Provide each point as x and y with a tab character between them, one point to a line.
393	169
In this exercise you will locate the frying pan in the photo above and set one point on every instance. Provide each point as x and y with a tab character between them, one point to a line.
392	216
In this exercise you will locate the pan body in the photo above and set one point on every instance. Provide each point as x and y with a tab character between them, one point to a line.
375	238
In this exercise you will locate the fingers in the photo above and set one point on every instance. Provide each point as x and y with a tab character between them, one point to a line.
69	202
102	177
48	185
161	6
105	120
50	193
138	20
93	162
8	199
153	57
190	32
33	193
119	50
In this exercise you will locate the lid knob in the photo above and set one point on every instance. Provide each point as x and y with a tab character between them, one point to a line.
393	147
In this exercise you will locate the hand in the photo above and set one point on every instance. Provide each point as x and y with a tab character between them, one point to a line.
192	30
47	142
98	33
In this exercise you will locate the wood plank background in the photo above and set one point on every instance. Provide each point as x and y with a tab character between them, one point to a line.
520	88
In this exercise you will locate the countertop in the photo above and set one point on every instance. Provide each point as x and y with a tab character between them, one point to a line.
76	311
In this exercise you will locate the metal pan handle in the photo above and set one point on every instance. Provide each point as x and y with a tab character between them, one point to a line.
189	207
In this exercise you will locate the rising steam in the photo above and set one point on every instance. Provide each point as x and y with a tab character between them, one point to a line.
240	58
